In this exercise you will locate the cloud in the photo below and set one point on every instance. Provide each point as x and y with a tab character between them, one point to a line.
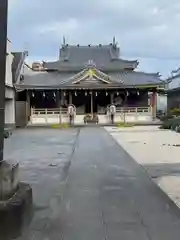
146	30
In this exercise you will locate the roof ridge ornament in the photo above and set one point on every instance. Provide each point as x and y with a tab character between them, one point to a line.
64	41
90	72
114	43
90	63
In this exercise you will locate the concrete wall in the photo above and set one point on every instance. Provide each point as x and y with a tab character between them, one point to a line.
21	113
162	102
10	113
173	100
9	90
9	60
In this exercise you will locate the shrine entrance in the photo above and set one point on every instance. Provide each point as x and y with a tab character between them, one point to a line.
96	102
88	104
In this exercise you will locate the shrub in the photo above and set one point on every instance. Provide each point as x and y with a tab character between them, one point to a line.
178	129
91	118
61	126
171	123
166	117
121	124
175	111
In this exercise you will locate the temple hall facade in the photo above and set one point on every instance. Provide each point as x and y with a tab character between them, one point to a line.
91	78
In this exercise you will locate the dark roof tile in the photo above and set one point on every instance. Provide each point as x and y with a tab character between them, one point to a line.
55	79
105	57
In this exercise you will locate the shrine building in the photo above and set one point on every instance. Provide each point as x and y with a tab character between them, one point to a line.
91	78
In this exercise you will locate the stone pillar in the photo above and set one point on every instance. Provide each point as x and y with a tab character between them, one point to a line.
154	104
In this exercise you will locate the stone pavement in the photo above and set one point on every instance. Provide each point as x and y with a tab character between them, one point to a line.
157	151
44	156
107	196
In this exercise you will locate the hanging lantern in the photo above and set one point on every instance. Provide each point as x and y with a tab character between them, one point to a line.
96	94
85	93
138	93
44	94
33	94
117	93
106	93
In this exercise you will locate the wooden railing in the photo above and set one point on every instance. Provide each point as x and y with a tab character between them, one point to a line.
63	111
134	110
52	111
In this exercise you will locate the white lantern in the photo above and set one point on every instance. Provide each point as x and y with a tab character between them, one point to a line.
96	94
117	93
44	94
106	93
33	94
85	93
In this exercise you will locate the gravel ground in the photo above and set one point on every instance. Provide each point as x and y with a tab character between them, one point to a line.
158	151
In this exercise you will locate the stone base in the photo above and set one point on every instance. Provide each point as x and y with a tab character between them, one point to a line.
16	212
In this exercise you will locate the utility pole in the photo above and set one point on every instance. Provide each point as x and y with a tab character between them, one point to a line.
3	42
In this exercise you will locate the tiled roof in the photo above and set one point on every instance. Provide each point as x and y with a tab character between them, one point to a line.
55	79
105	57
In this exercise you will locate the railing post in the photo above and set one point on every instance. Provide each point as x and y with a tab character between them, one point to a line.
46	116
60	116
32	112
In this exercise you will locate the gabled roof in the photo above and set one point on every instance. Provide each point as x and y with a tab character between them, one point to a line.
17	63
89	77
105	57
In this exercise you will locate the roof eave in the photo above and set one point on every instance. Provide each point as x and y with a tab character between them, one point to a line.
85	86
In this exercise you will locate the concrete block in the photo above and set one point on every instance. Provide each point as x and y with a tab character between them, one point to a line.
16	212
9	179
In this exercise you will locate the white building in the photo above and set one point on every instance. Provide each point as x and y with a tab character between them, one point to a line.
9	90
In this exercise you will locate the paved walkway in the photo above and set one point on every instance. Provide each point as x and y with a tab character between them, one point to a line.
110	197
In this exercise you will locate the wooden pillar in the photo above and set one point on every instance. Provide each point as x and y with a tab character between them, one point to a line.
58	103
154	104
28	107
70	97
92	103
111	97
62	98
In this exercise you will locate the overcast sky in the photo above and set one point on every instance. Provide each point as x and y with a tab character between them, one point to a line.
145	30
